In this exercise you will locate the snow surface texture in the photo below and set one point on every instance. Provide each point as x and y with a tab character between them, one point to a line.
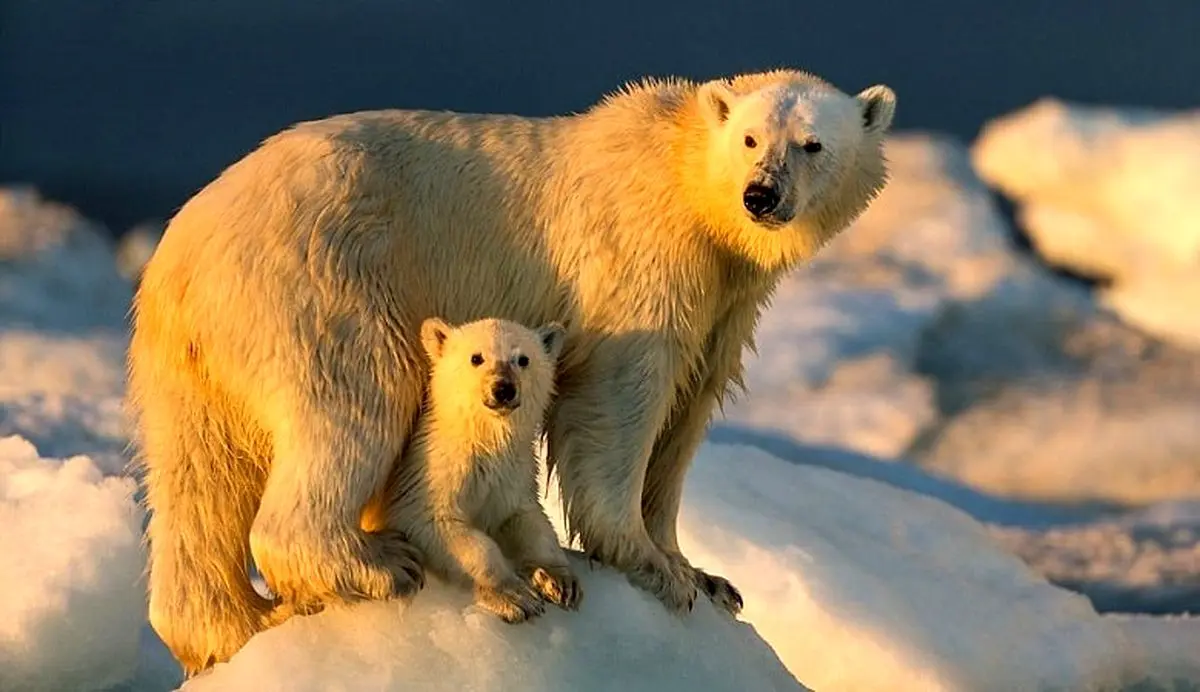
71	559
1109	193
893	590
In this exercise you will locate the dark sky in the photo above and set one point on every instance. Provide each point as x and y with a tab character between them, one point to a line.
126	107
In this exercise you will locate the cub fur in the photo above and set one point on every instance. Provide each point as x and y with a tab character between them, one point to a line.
465	492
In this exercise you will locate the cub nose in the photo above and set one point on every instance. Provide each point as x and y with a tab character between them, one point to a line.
760	199
503	392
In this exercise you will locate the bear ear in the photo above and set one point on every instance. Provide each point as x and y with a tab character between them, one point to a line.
716	99
878	105
433	336
552	335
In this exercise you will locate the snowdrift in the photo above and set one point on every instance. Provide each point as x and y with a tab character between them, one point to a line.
855	585
71	599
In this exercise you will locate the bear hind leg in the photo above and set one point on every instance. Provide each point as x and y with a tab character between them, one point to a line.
202	493
307	538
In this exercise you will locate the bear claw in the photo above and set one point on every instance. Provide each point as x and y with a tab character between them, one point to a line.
723	594
513	602
557	585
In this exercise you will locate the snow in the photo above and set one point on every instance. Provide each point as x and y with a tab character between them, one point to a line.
1147	558
939	432
70	562
620	639
855	584
1109	192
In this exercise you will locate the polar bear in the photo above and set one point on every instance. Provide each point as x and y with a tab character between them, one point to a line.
466	490
276	369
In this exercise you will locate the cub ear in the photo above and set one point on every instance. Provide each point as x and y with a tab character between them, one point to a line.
878	106
433	336
716	99
552	335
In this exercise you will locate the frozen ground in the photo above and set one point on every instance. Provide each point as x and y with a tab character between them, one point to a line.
929	412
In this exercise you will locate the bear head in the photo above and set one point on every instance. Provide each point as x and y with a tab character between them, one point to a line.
492	367
788	153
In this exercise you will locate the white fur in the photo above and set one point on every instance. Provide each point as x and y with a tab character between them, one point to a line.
465	492
276	369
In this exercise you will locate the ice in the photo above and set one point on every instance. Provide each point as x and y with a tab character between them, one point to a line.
856	585
1145	561
1109	192
71	599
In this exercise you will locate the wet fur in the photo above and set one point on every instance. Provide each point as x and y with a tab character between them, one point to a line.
276	368
466	491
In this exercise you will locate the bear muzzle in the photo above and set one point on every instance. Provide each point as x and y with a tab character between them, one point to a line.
503	396
763	200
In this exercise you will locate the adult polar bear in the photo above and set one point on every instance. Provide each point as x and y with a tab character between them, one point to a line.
276	367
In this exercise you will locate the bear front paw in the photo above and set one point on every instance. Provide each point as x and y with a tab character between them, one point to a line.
675	588
513	601
723	594
403	561
559	585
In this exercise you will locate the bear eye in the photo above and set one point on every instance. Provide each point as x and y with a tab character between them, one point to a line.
523	361
812	146
477	359
750	142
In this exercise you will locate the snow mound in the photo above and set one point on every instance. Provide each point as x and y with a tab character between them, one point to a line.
71	560
1109	193
619	639
855	585
895	590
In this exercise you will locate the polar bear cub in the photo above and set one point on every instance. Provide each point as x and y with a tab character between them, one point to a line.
465	491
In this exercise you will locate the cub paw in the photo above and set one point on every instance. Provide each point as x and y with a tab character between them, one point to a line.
512	602
403	561
558	585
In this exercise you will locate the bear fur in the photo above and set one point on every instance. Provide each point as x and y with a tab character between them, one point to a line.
276	367
466	491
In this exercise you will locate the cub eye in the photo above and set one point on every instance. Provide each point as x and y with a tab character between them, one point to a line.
813	146
477	359
523	361
750	142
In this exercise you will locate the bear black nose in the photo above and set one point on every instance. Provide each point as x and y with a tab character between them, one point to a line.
760	199
503	392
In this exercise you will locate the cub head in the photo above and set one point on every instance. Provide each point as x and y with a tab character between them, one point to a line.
492	367
791	160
